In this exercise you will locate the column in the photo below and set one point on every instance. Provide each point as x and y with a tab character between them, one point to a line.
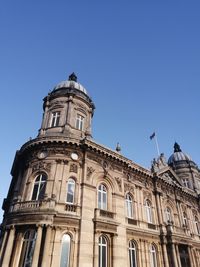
17	250
9	247
158	207
178	255
146	249
46	256
179	213
96	248
174	256
165	256
56	247
140	256
3	243
191	257
37	246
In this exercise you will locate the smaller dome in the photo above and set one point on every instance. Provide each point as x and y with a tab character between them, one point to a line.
71	83
178	155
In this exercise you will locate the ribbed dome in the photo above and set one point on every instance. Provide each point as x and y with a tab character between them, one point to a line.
71	83
178	155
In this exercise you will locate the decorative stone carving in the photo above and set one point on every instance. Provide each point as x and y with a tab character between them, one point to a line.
105	165
73	168
158	163
41	166
90	171
129	188
119	182
93	158
147	195
117	168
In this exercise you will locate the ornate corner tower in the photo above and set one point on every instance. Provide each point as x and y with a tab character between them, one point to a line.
68	111
44	195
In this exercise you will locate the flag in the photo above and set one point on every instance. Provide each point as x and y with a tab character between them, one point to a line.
153	135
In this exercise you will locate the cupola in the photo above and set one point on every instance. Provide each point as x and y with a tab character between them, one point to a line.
68	110
184	167
178	156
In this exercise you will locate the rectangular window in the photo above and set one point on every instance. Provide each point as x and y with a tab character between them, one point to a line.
55	118
79	122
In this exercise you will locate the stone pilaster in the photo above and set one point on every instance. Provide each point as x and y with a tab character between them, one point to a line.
9	247
3	243
165	257
174	256
37	246
178	255
45	258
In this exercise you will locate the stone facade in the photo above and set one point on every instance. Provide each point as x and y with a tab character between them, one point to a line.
75	203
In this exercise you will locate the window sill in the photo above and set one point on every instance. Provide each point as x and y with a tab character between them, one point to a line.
132	221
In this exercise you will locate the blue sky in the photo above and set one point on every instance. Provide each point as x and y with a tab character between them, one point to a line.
139	60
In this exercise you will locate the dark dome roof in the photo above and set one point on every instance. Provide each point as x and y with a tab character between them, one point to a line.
71	83
178	155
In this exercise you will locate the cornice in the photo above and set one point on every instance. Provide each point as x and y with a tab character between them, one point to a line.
87	145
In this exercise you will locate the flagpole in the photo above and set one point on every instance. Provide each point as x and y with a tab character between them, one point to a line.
156	141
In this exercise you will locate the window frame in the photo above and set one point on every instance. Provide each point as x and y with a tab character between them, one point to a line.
71	181
132	250
39	185
28	247
102	262
168	215
185	219
63	252
196	221
153	256
129	206
149	211
55	119
101	196
186	182
80	122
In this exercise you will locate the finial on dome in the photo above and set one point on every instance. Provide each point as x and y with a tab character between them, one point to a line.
118	148
177	147
73	77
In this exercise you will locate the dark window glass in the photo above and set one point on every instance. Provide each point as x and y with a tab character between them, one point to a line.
132	254
103	252
70	191
65	251
27	251
55	118
39	187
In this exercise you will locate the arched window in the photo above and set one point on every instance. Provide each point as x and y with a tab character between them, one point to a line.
103	252
168	215
70	191
185	219
132	254
39	187
65	251
153	260
27	251
196	221
129	206
148	209
102	197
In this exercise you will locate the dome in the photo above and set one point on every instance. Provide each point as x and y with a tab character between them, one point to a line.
71	83
178	155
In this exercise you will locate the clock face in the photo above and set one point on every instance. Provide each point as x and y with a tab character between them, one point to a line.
42	154
74	156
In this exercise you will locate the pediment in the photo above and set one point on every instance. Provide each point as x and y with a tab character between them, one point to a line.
169	176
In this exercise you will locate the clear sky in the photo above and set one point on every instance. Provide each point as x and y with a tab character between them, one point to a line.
139	60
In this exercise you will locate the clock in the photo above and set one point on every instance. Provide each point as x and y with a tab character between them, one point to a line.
74	156
42	154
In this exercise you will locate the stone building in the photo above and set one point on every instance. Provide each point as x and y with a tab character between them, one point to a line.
75	203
